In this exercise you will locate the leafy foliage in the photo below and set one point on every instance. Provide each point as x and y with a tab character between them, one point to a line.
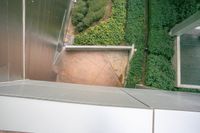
135	67
135	20
160	73
86	12
184	8
135	35
79	11
164	15
109	32
160	43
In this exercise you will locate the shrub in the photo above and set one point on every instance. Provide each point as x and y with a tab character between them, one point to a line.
79	11
77	18
160	73
87	12
109	32
79	27
95	5
98	14
135	35
93	17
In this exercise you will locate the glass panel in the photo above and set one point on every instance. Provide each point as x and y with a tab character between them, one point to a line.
3	40
15	37
190	58
10	40
43	24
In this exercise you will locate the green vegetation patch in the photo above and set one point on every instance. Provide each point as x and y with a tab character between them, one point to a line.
109	32
164	15
135	35
160	43
86	12
135	21
184	8
160	73
135	67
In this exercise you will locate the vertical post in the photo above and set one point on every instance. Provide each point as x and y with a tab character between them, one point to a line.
24	35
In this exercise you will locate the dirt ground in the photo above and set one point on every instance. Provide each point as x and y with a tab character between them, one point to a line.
93	68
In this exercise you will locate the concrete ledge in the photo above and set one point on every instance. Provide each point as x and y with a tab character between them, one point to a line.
97	48
130	49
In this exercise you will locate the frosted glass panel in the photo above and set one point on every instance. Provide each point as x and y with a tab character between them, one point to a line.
10	40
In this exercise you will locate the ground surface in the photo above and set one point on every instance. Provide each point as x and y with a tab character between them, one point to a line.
9	132
93	68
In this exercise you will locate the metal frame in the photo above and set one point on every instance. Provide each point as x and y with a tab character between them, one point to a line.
24	37
178	30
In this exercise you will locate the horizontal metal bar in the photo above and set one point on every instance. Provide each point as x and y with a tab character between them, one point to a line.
87	47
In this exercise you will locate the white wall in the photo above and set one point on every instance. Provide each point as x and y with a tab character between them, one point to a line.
19	114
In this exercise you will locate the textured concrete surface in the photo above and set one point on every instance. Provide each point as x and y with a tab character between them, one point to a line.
93	67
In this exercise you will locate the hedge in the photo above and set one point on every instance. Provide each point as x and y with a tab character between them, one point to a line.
135	35
109	32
